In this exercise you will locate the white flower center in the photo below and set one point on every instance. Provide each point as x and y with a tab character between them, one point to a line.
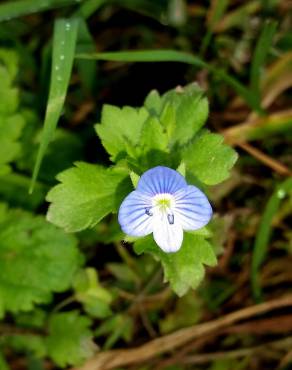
162	205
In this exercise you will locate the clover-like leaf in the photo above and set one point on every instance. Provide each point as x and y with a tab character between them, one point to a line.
209	159
183	269
70	339
86	194
36	259
119	126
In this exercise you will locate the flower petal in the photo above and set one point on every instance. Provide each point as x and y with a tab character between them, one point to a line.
160	180
192	208
132	217
168	236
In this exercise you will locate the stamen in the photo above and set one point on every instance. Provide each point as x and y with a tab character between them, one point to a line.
148	211
170	218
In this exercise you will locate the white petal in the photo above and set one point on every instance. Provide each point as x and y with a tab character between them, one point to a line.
192	208
132	217
167	236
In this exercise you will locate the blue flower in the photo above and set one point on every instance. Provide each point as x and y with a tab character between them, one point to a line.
165	205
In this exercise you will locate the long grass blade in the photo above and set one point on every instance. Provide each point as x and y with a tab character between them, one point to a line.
264	233
64	43
278	123
89	7
260	54
14	9
86	68
176	56
217	9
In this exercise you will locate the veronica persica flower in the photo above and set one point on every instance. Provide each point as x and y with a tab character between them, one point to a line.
165	205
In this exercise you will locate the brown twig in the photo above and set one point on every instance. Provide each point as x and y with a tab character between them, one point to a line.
115	358
278	167
7	329
208	357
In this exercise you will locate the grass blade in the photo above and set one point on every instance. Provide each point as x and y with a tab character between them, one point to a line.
264	233
86	68
14	9
217	9
277	123
176	56
64	42
260	54
89	7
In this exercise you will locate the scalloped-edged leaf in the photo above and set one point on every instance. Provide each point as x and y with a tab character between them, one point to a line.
153	136
10	131
183	269
182	111
119	126
70	339
36	259
85	195
209	159
190	110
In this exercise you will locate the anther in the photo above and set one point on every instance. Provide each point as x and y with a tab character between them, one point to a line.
170	218
148	211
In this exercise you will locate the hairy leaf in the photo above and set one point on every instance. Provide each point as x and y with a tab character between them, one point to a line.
87	193
190	109
209	159
36	259
183	269
10	131
119	126
70	339
153	136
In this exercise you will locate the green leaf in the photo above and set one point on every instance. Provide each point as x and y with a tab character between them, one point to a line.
153	137
36	259
70	339
87	193
64	42
209	159
9	98
117	326
119	126
10	59
9	95
3	363
29	343
65	148
88	290
183	269
188	311
134	178
13	186
10	131
122	272
153	102
190	109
